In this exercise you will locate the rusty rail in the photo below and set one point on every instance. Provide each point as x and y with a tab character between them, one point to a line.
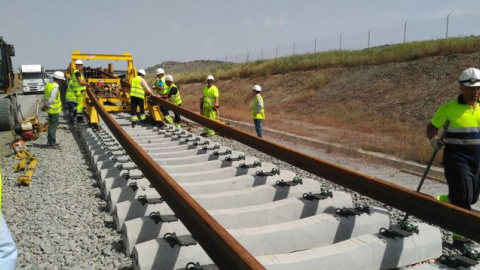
222	248
444	215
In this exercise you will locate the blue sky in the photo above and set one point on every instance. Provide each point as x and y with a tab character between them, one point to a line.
46	32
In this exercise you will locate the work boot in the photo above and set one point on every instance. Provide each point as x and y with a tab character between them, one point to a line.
443	198
457	238
53	146
177	125
168	119
134	124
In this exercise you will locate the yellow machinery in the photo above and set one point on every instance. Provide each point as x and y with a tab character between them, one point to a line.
27	162
112	92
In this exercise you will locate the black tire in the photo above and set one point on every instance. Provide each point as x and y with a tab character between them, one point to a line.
14	109
6	117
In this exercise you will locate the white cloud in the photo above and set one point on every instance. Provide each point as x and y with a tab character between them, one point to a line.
269	22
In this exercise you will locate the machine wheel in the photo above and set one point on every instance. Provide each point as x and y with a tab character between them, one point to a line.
6	116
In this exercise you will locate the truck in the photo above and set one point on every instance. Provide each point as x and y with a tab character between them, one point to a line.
33	78
9	109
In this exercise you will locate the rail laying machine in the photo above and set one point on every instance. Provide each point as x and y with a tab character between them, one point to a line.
112	91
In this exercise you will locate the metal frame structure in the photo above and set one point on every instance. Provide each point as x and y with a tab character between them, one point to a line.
120	104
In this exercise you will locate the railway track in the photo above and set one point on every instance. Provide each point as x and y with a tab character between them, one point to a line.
181	201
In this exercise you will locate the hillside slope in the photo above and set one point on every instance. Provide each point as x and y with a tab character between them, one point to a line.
382	108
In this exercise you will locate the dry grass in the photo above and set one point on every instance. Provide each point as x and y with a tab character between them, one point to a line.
372	56
378	99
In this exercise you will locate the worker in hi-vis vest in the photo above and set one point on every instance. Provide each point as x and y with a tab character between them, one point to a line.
53	106
78	85
71	103
258	110
137	97
160	88
173	95
209	103
8	250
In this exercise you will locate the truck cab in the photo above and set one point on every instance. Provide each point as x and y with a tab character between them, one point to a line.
33	78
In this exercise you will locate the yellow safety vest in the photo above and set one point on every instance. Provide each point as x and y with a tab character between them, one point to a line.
75	84
56	106
165	90
136	89
175	99
209	96
71	93
261	113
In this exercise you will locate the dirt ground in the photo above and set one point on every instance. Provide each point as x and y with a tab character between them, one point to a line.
382	108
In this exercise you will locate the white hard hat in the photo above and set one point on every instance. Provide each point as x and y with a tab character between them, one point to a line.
257	88
160	71
210	77
78	62
141	71
169	78
59	75
470	77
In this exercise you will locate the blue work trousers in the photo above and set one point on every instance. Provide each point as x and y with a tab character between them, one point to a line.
258	127
72	111
8	250
463	183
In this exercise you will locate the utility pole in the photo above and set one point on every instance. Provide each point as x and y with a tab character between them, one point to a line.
405	31
448	17
368	46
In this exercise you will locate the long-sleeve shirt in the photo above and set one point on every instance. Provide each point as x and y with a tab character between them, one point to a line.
53	94
145	86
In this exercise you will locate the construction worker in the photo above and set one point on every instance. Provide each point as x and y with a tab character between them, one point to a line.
137	97
159	86
8	250
258	110
209	103
161	89
71	103
79	85
173	95
53	106
461	155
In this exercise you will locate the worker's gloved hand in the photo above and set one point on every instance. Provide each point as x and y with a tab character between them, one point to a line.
437	143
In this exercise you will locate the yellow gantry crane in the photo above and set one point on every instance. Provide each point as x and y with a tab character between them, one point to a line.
112	101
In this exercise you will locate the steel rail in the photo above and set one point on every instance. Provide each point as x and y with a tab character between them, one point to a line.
222	248
446	216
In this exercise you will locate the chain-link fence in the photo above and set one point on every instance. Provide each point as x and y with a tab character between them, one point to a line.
450	26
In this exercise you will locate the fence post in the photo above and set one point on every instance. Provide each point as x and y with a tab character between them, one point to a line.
368	46
248	56
341	41
448	17
405	31
315	49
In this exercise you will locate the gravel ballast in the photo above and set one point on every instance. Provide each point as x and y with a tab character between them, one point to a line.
60	220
